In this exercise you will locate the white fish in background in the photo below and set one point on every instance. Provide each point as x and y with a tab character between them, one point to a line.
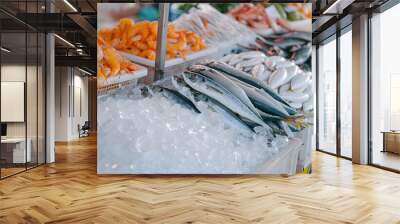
271	70
253	62
309	90
256	70
296	105
299	81
247	69
276	58
270	64
304	87
239	66
309	75
295	97
291	71
284	88
284	64
277	78
251	54
234	60
226	58
264	75
308	105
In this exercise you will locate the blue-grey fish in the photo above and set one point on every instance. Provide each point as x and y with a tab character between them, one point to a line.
217	92
229	70
176	96
226	83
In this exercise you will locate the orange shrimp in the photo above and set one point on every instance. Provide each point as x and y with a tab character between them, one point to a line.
112	59
150	54
171	33
152	44
100	71
127	66
106	35
140	45
153	28
205	23
141	39
134	51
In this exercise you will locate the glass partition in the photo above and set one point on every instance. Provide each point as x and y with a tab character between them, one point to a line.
22	88
346	94
385	90
327	97
13	105
41	97
31	100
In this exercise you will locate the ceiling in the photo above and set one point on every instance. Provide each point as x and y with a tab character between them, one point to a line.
72	20
331	15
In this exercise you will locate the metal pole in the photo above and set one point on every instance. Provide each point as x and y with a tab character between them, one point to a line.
317	97
338	96
161	40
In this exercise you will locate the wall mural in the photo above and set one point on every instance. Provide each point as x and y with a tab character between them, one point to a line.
236	97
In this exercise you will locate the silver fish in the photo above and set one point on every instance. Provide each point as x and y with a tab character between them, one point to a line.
253	61
212	89
251	54
226	83
176	96
278	78
229	70
181	87
230	118
262	100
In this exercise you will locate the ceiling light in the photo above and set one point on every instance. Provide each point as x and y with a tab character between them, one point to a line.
337	7
84	71
5	50
65	41
327	11
70	5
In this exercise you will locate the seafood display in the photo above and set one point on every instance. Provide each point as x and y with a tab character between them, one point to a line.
295	46
284	28
214	27
140	39
275	18
208	113
248	101
110	62
235	97
283	76
252	15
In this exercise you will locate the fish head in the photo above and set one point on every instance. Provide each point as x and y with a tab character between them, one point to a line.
197	68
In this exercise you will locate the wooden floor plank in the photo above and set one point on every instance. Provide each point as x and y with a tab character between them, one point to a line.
70	191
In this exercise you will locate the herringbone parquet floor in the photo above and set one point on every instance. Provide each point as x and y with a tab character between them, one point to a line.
70	191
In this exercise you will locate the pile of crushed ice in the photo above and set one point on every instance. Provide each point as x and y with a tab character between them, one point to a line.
156	135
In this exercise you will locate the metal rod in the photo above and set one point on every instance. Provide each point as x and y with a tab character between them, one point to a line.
338	95
317	97
26	89
370	90
161	40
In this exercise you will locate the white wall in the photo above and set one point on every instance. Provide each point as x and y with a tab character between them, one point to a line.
15	72
70	83
33	127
